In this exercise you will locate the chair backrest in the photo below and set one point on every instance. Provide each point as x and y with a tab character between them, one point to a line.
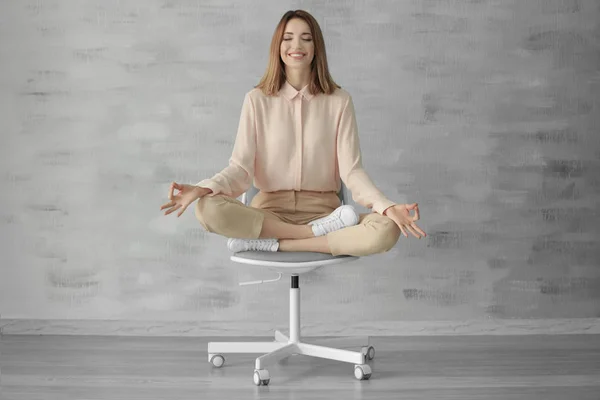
247	197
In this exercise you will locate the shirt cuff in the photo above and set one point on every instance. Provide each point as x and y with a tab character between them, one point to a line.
210	184
382	205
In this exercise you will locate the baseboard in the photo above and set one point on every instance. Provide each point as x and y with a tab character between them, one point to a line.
352	328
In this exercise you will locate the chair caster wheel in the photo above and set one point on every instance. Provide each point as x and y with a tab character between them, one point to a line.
362	372
216	359
369	352
261	377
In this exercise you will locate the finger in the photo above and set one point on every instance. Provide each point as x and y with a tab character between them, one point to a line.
416	217
168	211
414	233
167	205
177	207
411	206
172	209
415	227
403	231
400	225
181	212
171	190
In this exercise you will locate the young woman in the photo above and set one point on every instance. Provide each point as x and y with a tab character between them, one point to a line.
296	139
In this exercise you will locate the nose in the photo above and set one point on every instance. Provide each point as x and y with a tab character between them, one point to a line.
296	43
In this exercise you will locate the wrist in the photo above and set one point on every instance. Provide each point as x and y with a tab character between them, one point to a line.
202	191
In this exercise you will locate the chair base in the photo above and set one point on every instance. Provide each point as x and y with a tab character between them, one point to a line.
282	348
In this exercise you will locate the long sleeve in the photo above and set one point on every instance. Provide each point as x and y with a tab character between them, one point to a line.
352	173
237	177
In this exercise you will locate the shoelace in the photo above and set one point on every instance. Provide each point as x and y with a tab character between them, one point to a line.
260	245
335	222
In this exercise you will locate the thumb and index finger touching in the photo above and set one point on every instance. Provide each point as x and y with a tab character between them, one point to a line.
408	222
174	185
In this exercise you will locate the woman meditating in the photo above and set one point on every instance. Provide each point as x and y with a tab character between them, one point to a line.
297	140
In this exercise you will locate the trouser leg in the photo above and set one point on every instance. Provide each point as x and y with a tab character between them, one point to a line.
230	217
374	233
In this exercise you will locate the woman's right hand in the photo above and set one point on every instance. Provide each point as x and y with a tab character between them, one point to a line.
186	196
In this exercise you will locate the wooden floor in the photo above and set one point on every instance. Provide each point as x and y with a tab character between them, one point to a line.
466	367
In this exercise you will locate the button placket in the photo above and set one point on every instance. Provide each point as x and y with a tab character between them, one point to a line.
298	133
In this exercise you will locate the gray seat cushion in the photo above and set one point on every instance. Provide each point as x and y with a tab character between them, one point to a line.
278	256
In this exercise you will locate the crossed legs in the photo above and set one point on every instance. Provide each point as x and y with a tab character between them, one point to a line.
276	229
229	217
373	234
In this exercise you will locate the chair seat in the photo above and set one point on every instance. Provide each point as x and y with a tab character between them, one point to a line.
289	262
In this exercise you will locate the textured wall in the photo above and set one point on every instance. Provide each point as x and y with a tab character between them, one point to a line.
485	112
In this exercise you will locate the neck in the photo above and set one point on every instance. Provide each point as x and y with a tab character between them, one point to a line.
298	78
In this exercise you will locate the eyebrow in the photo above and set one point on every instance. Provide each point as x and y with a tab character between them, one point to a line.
291	33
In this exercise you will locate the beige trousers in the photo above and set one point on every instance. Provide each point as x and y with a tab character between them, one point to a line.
229	217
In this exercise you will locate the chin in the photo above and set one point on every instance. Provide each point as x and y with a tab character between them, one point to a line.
297	66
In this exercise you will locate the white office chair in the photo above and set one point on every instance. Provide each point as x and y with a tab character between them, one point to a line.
294	264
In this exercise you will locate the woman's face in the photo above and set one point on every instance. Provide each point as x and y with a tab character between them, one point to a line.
297	47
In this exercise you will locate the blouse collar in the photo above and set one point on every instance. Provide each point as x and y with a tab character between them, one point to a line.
290	92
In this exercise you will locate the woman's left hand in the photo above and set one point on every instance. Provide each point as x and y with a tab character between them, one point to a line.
400	214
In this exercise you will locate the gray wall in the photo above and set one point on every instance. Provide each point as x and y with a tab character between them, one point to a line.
485	112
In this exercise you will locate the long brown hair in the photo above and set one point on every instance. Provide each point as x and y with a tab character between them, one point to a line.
274	77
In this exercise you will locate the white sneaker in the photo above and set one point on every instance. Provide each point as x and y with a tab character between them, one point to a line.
237	245
341	217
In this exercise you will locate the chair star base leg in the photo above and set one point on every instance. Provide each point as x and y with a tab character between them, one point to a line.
330	353
243	347
277	355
